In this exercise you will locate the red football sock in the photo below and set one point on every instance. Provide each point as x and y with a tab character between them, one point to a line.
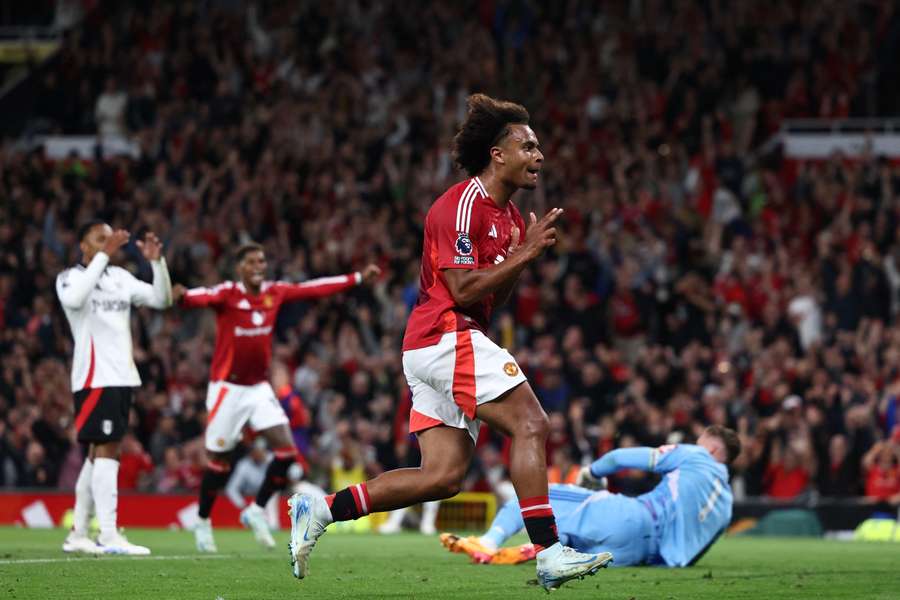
350	503
539	521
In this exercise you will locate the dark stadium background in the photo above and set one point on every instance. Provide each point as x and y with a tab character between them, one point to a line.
707	273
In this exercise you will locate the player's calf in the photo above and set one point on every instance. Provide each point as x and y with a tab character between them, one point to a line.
276	474
215	476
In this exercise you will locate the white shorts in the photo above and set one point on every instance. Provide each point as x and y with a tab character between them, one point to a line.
229	407
450	379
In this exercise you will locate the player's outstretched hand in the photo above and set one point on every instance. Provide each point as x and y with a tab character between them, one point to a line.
370	272
178	291
118	239
541	234
150	246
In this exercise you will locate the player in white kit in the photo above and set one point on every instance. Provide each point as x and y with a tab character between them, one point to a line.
97	298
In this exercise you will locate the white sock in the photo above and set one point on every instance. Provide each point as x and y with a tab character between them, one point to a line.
105	486
395	517
84	499
550	551
430	513
488	543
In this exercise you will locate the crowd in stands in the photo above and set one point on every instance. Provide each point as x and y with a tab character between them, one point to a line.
695	282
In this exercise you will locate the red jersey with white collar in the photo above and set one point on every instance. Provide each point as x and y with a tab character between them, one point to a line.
244	322
464	229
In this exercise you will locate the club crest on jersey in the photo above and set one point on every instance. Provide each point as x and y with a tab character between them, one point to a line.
511	369
257	318
267	301
463	244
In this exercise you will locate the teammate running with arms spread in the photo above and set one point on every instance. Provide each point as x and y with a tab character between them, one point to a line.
97	299
239	391
672	525
471	259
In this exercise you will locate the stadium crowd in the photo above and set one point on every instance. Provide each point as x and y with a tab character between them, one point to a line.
695	282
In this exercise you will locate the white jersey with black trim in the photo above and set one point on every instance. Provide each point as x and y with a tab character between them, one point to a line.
97	300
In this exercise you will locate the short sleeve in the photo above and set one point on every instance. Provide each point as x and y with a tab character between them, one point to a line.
455	249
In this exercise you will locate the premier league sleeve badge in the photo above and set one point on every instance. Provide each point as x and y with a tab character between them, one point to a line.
463	250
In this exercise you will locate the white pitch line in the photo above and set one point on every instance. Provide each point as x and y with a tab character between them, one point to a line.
37	561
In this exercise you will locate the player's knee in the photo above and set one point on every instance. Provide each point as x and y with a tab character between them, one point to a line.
445	484
535	425
83	485
447	488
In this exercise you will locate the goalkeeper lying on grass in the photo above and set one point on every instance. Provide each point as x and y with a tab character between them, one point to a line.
672	525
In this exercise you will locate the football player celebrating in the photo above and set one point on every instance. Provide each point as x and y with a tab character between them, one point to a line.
471	259
97	299
239	391
672	525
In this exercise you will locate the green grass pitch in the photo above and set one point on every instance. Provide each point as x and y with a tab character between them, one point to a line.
413	566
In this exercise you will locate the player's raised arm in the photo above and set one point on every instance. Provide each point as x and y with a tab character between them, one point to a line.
159	294
199	297
327	286
74	285
470	285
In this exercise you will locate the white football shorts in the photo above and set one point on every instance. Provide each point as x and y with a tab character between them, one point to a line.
229	407
450	379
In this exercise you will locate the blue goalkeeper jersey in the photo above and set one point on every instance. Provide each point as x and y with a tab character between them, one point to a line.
691	505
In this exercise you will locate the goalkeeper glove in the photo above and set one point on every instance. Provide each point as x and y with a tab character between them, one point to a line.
586	479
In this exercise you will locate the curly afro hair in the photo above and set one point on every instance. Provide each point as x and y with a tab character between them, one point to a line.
487	122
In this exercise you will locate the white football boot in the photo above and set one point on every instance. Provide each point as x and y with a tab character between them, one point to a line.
203	535
77	542
117	544
558	564
310	516
254	517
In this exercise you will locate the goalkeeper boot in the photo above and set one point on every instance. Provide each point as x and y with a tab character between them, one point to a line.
478	551
559	564
514	555
310	516
254	517
203	536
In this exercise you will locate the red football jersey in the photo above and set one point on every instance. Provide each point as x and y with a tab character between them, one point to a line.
464	229
244	322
